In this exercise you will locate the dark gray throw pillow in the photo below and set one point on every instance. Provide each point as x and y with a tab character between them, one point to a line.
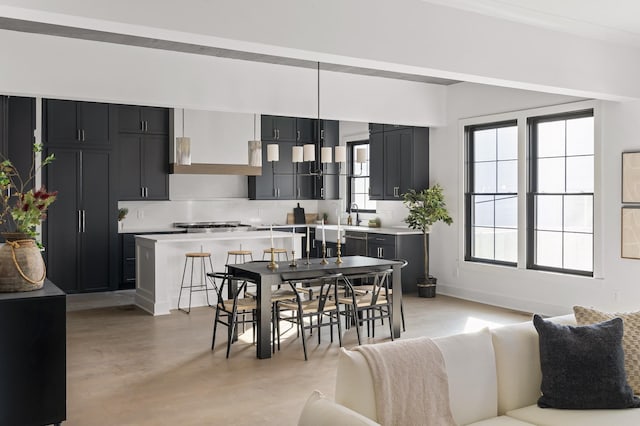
583	367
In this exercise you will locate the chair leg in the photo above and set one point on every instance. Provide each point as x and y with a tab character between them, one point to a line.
357	324
304	340
402	315
390	311
339	326
215	327
233	320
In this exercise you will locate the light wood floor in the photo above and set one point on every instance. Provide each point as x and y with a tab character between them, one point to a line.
126	367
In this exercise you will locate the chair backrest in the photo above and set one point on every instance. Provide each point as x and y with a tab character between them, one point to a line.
225	279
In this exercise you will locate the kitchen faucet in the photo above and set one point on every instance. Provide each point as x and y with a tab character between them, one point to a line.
357	213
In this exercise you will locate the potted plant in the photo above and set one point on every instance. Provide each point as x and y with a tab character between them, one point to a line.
122	214
21	211
426	208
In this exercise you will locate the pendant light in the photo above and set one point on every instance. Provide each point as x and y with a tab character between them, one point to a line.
183	147
255	147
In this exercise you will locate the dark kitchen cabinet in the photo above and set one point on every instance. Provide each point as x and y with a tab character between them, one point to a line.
399	161
143	167
276	128
305	129
76	122
127	261
17	124
139	119
409	247
80	231
328	187
33	357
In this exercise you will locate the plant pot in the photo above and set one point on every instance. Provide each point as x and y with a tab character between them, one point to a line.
427	287
21	265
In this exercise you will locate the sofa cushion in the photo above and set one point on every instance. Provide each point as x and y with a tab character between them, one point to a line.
518	363
630	339
557	417
471	371
320	411
583	366
501	421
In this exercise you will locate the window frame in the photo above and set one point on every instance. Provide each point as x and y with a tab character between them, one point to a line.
469	192
532	181
351	146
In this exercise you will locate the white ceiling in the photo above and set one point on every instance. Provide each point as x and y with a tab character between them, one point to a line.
616	21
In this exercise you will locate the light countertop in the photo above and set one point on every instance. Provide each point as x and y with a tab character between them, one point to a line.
215	236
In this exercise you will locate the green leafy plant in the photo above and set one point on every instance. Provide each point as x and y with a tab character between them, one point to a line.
122	213
426	208
25	208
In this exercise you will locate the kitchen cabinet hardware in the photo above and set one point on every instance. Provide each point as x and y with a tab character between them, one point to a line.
79	221
297	135
84	221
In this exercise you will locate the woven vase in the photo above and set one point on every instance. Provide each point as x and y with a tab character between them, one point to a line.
21	265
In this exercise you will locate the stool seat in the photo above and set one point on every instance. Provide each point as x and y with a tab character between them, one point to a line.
198	254
239	252
275	250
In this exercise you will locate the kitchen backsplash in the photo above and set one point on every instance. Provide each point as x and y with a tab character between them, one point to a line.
162	214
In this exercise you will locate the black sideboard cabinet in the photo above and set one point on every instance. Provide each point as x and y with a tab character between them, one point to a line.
33	357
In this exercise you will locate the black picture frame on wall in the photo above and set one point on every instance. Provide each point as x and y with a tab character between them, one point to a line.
631	177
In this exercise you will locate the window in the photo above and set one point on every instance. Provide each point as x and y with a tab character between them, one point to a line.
358	179
560	198
491	196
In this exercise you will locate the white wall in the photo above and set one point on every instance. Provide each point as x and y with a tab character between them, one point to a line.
522	289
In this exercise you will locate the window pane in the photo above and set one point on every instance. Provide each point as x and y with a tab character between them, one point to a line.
551	139
485	177
578	213
360	199
360	185
483	243
549	249
549	212
483	211
506	212
507	245
580	174
578	251
580	136
551	175
508	143
484	145
508	176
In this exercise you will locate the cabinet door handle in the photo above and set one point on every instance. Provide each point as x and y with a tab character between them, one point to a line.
146	126
298	135
321	192
83	139
146	192
142	191
328	251
142	125
381	252
84	221
9	191
278	131
275	134
322	134
79	221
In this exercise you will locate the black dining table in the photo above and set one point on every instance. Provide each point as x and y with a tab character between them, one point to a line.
265	278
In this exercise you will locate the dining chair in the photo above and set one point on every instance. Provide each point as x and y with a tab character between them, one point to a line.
322	307
368	306
365	288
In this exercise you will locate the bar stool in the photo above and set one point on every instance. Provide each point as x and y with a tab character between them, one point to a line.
202	286
276	251
242	253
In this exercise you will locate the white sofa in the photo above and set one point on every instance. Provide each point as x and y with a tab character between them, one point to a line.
494	379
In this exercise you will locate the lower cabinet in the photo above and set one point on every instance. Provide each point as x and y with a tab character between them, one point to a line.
80	234
408	247
33	388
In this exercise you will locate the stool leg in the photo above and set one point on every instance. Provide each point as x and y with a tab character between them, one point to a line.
206	282
190	287
184	271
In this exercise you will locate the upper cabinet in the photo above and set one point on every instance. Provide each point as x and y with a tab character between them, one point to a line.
286	180
275	128
143	153
138	119
399	161
75	122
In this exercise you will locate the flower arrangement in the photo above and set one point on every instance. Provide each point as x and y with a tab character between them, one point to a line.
22	210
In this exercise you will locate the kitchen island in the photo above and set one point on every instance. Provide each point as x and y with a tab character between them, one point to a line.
160	262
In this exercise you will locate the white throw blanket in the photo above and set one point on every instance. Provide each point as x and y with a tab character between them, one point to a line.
410	382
